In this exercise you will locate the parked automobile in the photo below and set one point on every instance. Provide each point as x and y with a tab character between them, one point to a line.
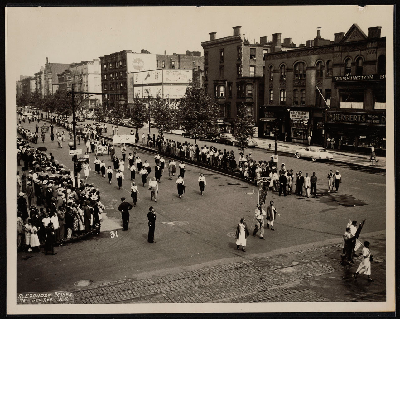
127	122
252	143
315	153
227	138
177	131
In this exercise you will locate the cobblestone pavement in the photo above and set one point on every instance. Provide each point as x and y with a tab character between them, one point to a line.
310	275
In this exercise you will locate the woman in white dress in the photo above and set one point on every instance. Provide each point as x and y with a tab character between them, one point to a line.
86	170
242	233
365	264
35	244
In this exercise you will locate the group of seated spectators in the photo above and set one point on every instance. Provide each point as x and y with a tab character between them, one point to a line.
51	210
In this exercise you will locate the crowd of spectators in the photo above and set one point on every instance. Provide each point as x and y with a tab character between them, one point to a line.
51	210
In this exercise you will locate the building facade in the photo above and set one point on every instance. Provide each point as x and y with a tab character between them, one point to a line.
333	91
234	71
115	70
49	84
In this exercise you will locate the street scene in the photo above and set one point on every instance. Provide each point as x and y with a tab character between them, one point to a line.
242	171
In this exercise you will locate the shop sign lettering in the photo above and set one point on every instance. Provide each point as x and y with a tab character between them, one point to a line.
371	77
299	115
360	118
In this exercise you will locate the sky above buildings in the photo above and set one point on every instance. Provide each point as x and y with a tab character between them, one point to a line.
74	34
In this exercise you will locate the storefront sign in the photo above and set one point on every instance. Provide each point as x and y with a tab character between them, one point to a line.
372	77
299	115
357	118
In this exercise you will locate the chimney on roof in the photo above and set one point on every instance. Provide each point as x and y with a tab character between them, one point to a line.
310	43
213	35
319	32
263	40
287	41
47	60
236	30
374	32
276	39
339	36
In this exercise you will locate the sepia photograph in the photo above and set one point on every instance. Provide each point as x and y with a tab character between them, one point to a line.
200	159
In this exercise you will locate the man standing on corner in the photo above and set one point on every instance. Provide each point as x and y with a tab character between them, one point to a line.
124	208
151	216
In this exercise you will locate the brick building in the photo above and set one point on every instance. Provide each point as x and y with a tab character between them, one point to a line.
333	91
115	71
233	69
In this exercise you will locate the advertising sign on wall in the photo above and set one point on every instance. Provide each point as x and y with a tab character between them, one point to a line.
140	62
147	77
178	75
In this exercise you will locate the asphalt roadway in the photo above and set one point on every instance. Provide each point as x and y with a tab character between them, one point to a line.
198	229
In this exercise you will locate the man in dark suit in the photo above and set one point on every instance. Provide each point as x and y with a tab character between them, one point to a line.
151	216
124	208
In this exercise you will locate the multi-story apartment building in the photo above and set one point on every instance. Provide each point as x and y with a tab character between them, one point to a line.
234	69
115	71
334	91
86	77
28	85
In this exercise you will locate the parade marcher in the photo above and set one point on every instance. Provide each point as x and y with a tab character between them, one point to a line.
259	215
271	215
132	168
299	184
103	168
143	172
307	185
109	174
314	185
124	208
139	164
202	183
153	187
119	177
151	217
86	170
134	193
123	152
180	183
158	171
242	233
338	180
330	181
121	166
365	264
171	168
182	169
97	163
147	166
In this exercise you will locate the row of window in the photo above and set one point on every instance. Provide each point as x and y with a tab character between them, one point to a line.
121	85
114	97
239	71
116	64
239	55
299	97
161	64
242	90
300	68
115	75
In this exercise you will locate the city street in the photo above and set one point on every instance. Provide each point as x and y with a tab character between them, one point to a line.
198	230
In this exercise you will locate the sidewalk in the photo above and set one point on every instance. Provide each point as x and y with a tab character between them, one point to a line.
362	160
301	273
